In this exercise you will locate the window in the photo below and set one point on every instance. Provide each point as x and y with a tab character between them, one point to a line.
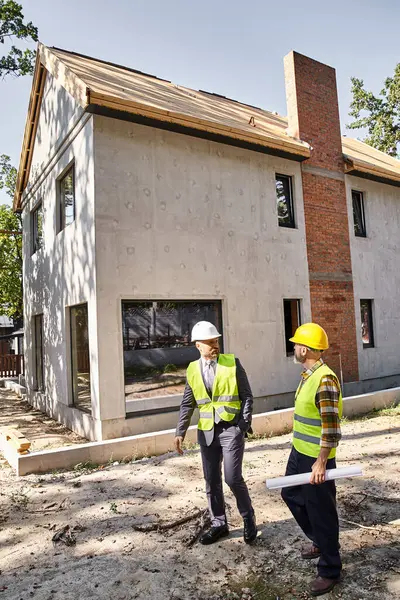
38	342
367	329
291	312
158	347
80	358
358	214
37	228
284	199
67	198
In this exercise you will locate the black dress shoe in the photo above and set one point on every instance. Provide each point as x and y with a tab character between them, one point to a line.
250	529
213	534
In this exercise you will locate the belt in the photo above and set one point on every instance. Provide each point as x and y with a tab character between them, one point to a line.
224	425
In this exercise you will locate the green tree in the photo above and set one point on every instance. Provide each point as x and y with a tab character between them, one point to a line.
10	247
14	61
12	27
380	116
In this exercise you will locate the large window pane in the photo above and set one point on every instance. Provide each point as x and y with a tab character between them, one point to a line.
358	213
284	199
38	340
37	228
80	357
157	344
291	311
67	198
367	328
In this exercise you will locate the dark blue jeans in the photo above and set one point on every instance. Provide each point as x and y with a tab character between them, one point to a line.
314	508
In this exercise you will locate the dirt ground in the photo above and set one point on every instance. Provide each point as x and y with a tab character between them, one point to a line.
112	559
42	431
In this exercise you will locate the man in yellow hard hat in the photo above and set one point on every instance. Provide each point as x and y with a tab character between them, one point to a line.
217	385
316	434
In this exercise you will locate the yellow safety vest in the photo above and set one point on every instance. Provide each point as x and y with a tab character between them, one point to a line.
307	420
225	397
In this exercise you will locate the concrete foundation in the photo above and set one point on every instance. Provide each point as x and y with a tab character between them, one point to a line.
149	444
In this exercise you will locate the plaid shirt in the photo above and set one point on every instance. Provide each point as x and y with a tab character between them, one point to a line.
327	402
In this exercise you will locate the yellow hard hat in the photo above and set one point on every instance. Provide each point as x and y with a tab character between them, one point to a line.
312	336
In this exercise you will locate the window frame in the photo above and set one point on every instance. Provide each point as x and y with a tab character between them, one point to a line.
289	178
217	302
34	228
360	194
371	343
163	402
39	352
74	365
290	350
61	197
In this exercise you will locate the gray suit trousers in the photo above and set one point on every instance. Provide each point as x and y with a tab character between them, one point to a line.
227	446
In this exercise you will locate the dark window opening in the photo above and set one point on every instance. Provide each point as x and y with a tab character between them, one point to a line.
157	344
67	198
37	228
39	354
291	311
358	214
284	199
80	358
367	328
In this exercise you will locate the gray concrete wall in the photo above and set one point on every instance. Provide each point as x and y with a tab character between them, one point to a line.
58	114
376	273
184	218
62	273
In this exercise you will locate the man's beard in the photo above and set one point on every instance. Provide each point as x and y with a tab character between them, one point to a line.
298	360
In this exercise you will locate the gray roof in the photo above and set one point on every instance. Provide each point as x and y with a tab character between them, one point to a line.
6	321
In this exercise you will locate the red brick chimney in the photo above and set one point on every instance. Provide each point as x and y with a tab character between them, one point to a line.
313	116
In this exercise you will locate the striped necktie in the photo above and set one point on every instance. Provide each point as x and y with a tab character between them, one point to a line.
209	375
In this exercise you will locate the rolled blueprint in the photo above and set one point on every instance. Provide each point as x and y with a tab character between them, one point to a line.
303	478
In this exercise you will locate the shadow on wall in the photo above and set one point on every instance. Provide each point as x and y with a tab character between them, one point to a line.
60	274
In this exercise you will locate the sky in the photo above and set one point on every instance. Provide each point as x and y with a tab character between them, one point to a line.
225	46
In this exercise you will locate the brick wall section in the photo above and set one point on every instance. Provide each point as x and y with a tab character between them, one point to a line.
313	116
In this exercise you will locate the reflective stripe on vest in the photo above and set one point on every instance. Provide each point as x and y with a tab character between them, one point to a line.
225	397
307	420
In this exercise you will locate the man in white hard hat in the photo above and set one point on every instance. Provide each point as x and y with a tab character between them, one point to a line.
218	386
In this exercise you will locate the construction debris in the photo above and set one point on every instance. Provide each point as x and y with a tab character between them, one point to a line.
16	439
64	535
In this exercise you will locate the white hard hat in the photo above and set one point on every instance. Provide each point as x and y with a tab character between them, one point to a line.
204	330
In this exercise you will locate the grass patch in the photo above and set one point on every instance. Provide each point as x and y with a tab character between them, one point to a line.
86	466
19	499
114	508
390	411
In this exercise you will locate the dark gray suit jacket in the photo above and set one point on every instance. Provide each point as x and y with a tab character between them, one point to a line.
243	419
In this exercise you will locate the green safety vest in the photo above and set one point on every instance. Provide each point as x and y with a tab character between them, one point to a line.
225	396
307	420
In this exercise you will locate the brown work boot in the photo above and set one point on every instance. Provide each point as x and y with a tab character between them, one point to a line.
322	585
310	551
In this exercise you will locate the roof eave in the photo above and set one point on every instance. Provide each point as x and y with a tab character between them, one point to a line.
290	146
361	168
31	124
